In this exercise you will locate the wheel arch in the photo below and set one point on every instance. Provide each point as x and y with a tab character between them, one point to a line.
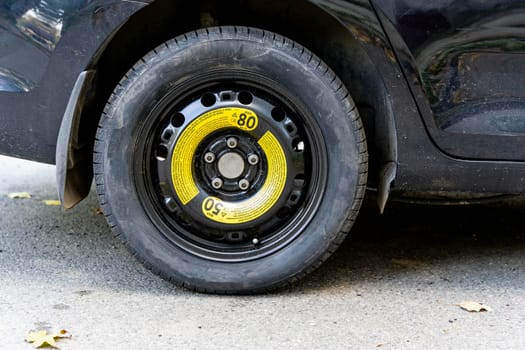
348	37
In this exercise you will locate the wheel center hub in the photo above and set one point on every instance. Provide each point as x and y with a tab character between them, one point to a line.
231	165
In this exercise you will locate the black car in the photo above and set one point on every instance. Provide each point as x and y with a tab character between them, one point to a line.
232	142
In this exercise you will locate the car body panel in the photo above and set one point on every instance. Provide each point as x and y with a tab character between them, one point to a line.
422	166
46	50
465	62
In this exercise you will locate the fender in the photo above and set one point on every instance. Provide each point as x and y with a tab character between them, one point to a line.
49	61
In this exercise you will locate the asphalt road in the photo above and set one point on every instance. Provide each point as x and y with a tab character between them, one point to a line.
396	284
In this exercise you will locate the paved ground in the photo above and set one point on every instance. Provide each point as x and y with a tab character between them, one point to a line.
395	285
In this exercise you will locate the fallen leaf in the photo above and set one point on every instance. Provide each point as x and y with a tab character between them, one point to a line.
41	339
19	195
54	202
472	306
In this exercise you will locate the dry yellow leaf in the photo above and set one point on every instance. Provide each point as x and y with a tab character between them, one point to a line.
40	339
52	202
19	195
472	306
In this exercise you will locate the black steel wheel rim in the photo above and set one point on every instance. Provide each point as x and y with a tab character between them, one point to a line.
191	106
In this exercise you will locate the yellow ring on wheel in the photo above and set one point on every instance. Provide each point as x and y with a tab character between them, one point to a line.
212	207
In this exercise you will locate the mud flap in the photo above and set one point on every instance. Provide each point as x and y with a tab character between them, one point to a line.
74	171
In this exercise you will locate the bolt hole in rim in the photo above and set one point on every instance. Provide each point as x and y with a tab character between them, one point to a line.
295	130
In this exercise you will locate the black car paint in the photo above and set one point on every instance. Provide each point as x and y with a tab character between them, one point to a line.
39	67
50	62
465	62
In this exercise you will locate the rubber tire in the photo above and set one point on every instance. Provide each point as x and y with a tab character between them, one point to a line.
307	78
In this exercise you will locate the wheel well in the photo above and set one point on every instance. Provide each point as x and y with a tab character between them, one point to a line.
301	21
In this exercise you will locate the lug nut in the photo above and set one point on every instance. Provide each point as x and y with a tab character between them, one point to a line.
232	142
216	183
253	159
244	184
209	157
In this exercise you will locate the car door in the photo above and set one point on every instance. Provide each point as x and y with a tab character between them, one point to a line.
465	62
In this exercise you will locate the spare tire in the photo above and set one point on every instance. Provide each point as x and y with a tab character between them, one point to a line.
231	160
